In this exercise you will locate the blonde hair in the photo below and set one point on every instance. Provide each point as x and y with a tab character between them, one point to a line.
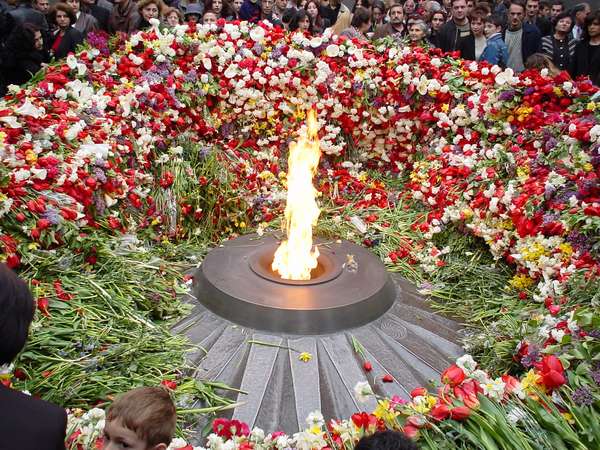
147	411
343	21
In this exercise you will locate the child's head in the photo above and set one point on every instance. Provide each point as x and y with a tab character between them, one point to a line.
141	419
493	24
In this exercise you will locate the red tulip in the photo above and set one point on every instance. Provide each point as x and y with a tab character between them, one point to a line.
42	305
418	392
552	372
453	375
387	378
367	366
460	413
440	412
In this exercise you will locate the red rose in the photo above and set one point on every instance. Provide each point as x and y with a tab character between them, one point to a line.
367	366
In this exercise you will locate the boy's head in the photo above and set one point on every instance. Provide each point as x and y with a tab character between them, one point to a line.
141	419
386	440
493	24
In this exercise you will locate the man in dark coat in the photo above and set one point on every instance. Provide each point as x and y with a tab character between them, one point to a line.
522	39
457	31
27	423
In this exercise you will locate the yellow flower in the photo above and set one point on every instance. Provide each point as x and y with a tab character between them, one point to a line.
531	381
445	107
569	418
558	91
523	171
33	246
591	106
424	404
385	411
305	357
566	250
30	156
534	252
588	167
467	213
521	282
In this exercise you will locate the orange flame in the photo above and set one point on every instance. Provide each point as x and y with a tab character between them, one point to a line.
295	258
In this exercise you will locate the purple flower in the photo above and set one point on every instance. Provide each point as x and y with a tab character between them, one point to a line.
581	243
506	95
52	216
99	174
595	374
531	357
582	397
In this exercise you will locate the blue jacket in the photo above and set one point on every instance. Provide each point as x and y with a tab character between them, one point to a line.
495	51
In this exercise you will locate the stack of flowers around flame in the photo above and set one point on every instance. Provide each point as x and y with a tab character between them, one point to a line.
176	139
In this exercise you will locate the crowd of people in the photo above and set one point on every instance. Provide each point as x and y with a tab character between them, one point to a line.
511	33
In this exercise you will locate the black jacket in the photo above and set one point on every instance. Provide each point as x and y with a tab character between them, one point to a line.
531	41
25	13
449	38
100	13
582	65
29	423
71	39
466	47
19	60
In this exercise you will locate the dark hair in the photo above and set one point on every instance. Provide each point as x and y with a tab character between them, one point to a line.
441	11
226	9
360	17
544	4
578	7
288	15
454	1
496	19
147	411
477	14
593	17
563	15
386	440
64	8
16	305
378	4
518	3
558	2
299	15
483	8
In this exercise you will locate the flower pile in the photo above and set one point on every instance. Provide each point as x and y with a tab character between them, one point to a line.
181	136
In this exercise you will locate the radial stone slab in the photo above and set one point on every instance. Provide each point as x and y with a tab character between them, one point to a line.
405	340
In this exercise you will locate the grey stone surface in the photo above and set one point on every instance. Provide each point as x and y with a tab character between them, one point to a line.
410	342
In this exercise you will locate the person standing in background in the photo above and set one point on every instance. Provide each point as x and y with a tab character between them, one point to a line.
586	60
85	22
522	39
495	51
580	13
532	17
456	28
66	38
557	7
124	17
560	46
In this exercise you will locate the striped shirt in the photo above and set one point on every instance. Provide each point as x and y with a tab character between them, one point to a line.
560	51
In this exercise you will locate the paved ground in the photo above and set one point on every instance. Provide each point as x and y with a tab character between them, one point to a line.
409	342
